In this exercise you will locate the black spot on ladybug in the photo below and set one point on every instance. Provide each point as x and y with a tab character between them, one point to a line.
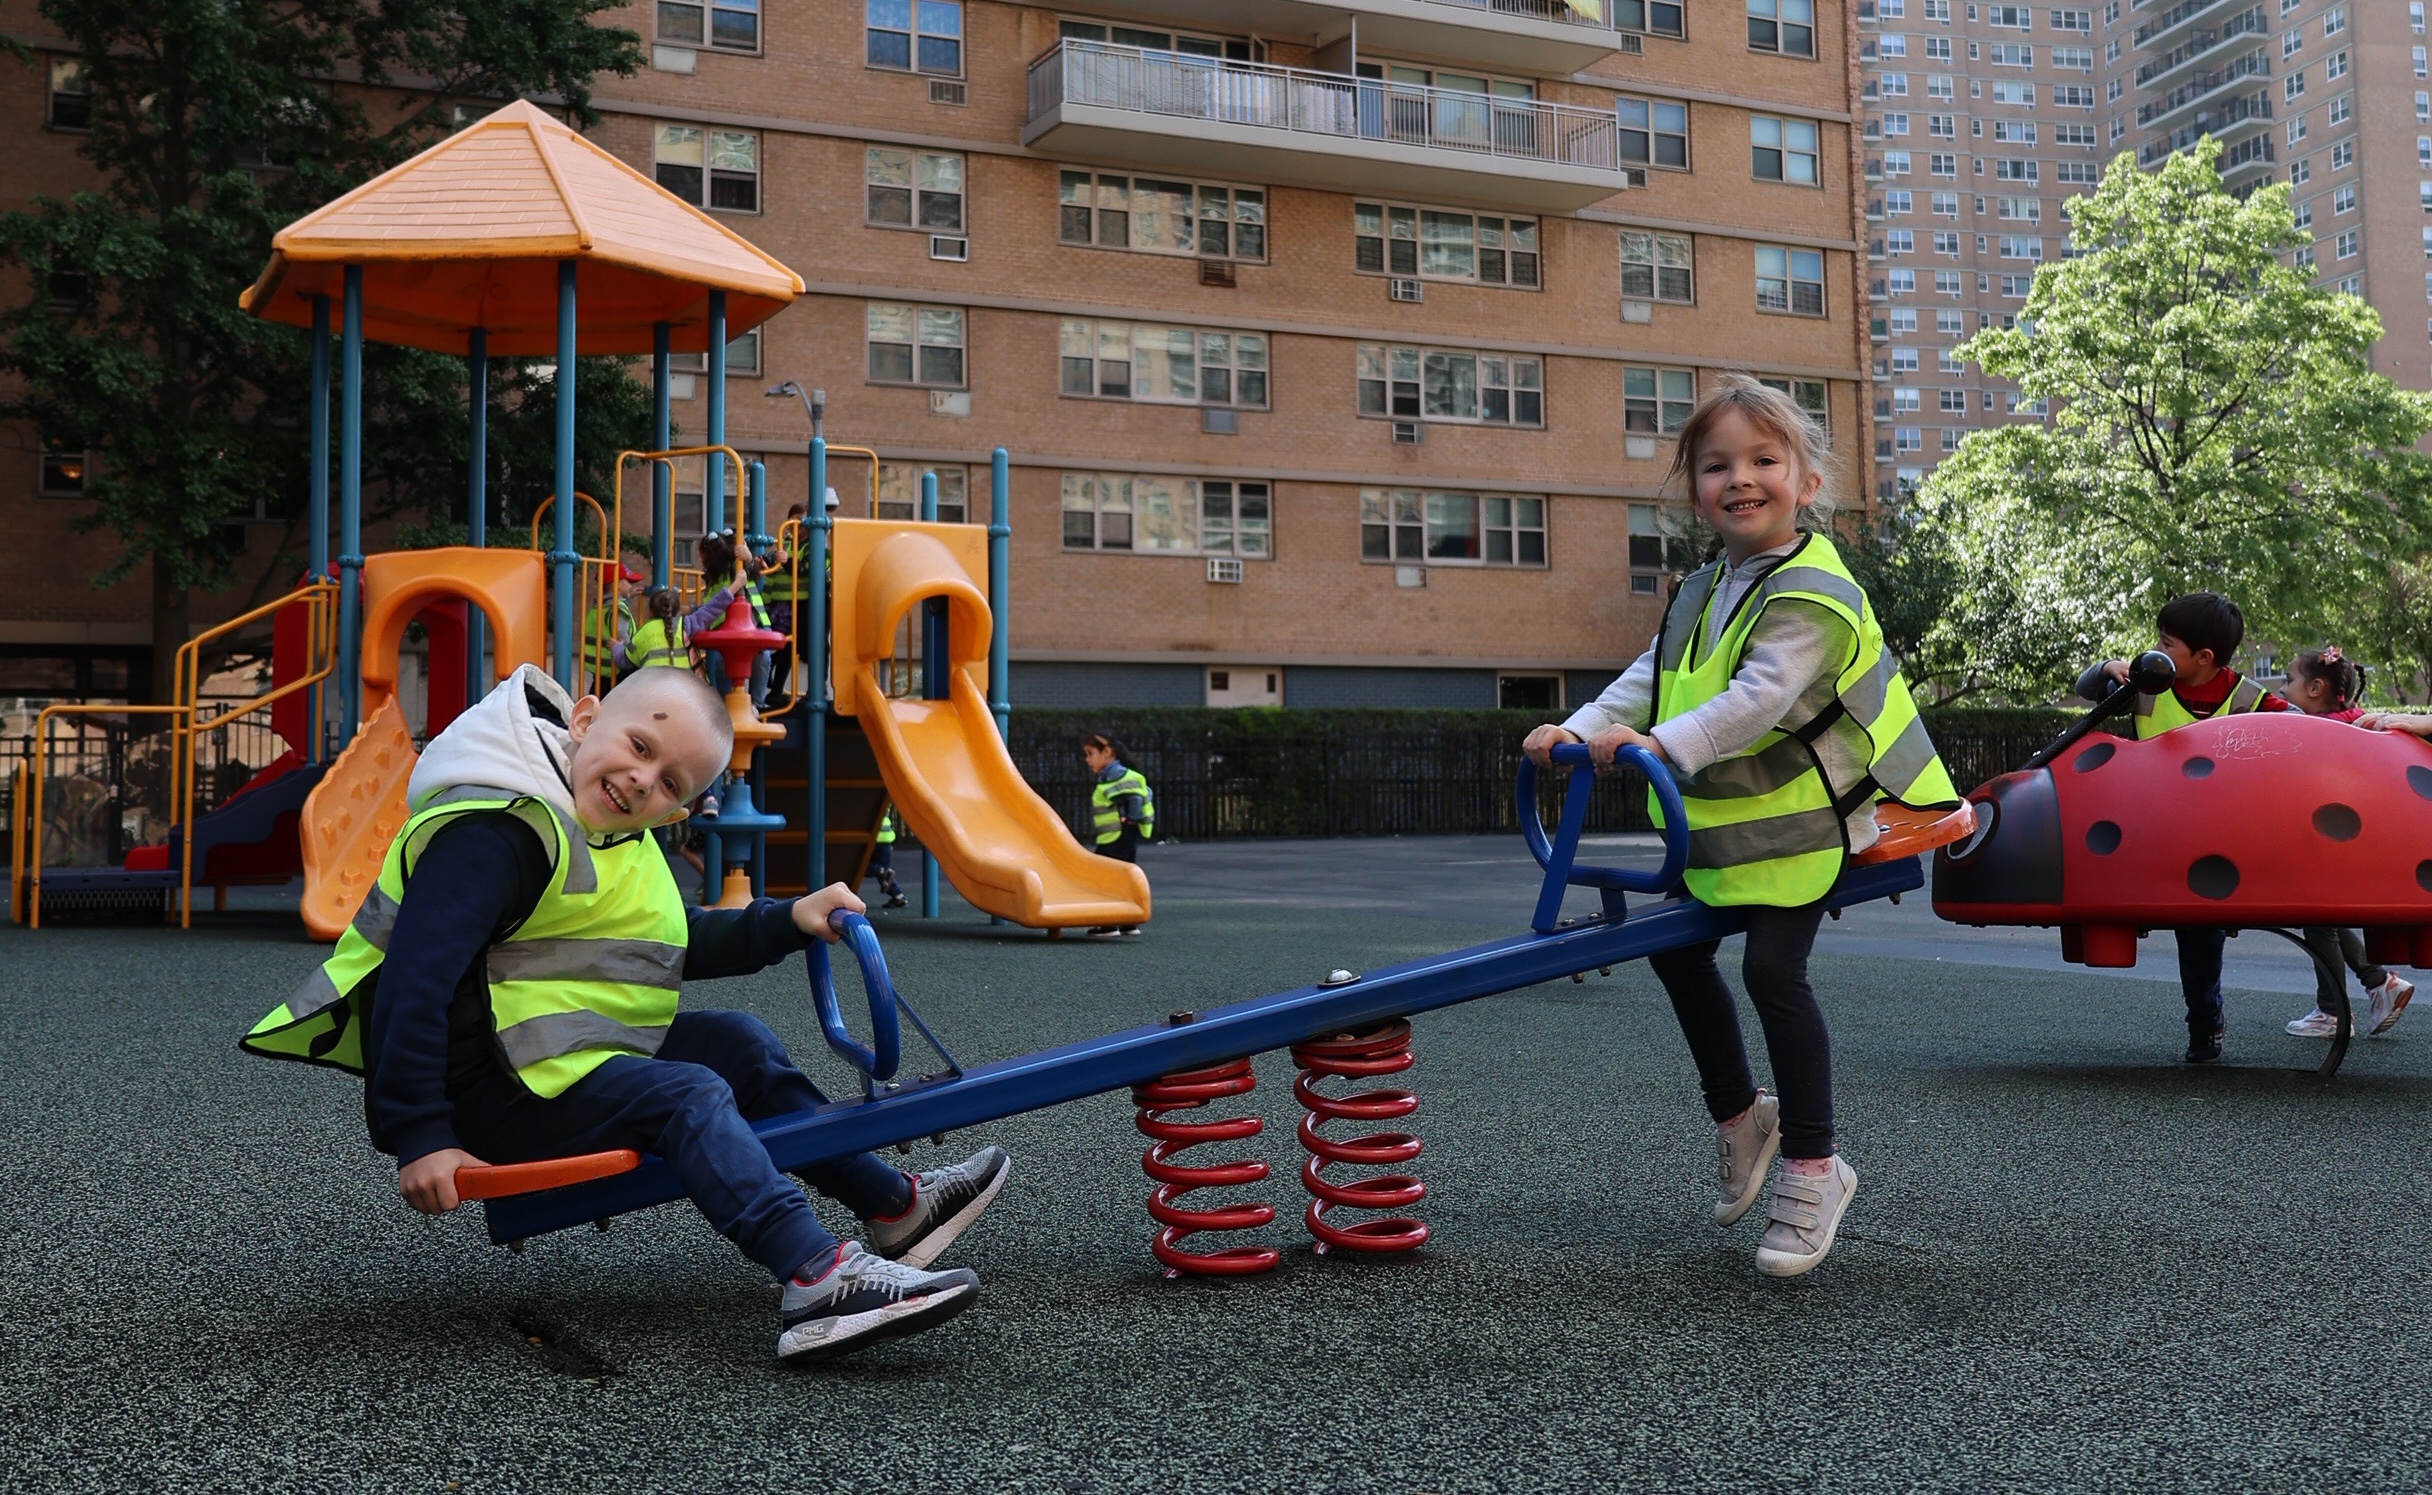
2338	822
2423	876
2197	768
2419	779
2103	837
2100	754
2212	877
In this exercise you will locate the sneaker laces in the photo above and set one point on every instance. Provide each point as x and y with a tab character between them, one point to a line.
890	1279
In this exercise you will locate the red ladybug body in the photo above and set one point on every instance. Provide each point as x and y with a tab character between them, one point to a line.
2240	822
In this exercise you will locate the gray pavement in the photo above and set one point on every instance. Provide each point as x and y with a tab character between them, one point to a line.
2073	1263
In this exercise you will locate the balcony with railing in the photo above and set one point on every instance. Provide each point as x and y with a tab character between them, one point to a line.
2227	123
2157	72
2201	87
2157	32
1299	128
1541	38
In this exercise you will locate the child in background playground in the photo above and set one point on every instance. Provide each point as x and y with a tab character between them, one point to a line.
1123	811
511	986
1770	696
603	638
661	640
2200	631
737	572
882	859
2324	682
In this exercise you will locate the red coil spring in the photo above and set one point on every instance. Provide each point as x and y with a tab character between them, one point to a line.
1188	1090
1383	1050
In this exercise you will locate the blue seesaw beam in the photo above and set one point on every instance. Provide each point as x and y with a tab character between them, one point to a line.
899	1111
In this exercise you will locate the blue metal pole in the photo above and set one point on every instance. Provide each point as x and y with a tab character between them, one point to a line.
561	560
755	516
662	429
1000	592
350	510
717	410
932	680
317	700
814	628
477	502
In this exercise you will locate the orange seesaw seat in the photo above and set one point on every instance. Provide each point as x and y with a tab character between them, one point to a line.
1903	832
499	1180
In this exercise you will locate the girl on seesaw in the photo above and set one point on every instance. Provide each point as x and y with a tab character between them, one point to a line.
1770	697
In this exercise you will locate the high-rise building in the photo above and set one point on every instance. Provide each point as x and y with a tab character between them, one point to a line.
1338	346
1982	120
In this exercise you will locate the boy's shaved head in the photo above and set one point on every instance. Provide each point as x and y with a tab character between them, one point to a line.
657	740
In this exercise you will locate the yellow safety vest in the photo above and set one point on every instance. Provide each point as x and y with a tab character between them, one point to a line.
592	973
886	829
2167	713
652	644
1106	819
599	648
1766	825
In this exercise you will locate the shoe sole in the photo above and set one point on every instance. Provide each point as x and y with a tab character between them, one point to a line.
2397	1007
1779	1264
1756	1179
858	1330
930	1247
2295	1031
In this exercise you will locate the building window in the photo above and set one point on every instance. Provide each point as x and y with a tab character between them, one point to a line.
1656	402
1653	132
1655	17
1900	241
1646	544
71	103
920	345
2423	105
2343	200
2334	20
1895	163
2343	155
742	358
1943	165
1444	244
2346	245
2021	249
708	168
899	492
1656	267
1214	220
1808	395
916	36
1783	150
2300	171
1790	280
1403	527
919	190
2292	87
2336	67
733	25
1898	202
1156	364
1446	384
1168	515
63	469
1784	26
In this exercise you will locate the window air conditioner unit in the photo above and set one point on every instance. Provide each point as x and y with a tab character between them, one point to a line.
949	91
1224	568
1399	289
941	247
1216	273
1406	433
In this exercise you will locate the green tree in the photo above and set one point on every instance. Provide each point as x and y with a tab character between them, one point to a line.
213	123
2216	424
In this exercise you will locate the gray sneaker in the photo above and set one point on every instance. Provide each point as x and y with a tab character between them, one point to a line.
944	1203
1806	1216
865	1298
1747	1146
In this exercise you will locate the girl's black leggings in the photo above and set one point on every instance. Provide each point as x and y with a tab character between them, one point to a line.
1775	969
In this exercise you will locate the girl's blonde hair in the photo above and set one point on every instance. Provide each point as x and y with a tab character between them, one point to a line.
1774	413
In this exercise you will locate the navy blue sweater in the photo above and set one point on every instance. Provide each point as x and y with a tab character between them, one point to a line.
430	1035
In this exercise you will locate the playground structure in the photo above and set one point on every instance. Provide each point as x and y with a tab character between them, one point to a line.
1349	1023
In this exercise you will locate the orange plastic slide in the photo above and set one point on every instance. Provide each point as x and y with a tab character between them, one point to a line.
359	805
1004	848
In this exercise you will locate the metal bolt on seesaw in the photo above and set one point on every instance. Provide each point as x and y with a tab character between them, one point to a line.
1349	1026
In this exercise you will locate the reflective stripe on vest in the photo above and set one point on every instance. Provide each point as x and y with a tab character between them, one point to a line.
1106	821
592	972
2167	713
1766	825
656	644
751	594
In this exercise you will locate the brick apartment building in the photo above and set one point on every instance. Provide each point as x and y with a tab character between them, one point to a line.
1980	121
1336	345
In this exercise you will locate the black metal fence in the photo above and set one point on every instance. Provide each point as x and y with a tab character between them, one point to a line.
107	778
1221	774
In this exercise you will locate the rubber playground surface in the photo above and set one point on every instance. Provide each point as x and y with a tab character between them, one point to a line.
2073	1263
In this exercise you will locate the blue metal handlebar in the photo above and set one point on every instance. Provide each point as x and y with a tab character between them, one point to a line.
878	1059
1559	857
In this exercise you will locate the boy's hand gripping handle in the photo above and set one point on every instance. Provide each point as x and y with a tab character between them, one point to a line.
877	1060
1559	857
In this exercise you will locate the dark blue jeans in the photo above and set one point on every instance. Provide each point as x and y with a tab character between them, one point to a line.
2200	978
692	1105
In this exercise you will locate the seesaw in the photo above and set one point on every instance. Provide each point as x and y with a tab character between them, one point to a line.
1350	1024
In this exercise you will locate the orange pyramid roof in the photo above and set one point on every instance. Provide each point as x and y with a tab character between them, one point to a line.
470	232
